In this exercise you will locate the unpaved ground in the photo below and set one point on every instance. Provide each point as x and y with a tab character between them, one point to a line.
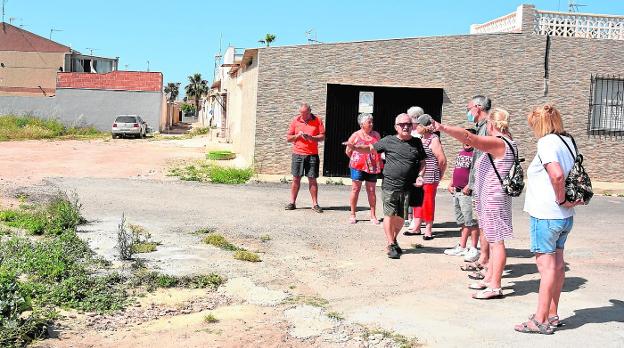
319	256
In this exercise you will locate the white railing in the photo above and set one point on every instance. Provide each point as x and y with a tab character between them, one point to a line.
511	23
584	25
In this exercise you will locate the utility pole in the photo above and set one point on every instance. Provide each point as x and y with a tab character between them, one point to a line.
3	3
53	30
148	66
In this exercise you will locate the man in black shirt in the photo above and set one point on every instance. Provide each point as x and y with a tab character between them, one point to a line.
405	162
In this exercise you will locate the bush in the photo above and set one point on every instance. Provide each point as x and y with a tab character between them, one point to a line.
248	256
219	241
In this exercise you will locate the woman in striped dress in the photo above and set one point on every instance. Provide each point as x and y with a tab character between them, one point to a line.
434	170
492	204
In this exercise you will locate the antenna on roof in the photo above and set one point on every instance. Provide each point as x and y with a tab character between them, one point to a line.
91	50
573	6
311	36
53	30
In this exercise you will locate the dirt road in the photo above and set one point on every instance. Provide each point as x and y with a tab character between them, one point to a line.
321	257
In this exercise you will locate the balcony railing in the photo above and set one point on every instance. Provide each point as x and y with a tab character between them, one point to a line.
584	25
511	23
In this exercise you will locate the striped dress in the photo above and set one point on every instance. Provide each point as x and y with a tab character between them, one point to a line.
492	204
432	170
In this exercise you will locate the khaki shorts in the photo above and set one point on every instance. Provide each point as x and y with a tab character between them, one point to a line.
395	203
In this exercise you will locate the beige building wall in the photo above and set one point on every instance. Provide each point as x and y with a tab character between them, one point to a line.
24	72
242	94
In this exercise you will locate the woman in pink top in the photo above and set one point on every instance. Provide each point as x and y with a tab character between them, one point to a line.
364	166
492	204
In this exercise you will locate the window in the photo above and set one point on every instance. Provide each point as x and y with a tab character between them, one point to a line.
606	106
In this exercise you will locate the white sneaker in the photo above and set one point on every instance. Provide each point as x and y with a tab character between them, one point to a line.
471	254
456	251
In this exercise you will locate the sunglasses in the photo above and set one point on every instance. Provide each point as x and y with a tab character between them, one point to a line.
403	125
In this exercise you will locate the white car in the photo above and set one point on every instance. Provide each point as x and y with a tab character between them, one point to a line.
129	125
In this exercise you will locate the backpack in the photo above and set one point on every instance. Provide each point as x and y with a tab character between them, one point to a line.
513	183
577	185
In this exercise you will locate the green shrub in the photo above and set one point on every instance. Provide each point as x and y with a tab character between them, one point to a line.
248	256
220	155
210	319
225	175
219	241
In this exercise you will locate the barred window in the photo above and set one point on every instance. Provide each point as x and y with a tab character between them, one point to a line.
606	106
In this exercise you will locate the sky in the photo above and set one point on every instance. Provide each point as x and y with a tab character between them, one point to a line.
182	37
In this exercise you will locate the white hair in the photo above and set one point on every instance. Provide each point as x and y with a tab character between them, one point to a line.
414	112
396	119
363	117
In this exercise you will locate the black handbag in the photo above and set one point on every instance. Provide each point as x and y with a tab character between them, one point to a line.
513	183
578	185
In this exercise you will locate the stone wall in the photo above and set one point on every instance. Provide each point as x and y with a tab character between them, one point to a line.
507	67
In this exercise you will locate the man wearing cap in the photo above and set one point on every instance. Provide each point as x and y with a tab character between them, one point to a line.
305	132
405	161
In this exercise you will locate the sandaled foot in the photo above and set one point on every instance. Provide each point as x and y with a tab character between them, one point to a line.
554	322
290	206
488	294
412	233
478	286
317	209
471	267
425	237
533	326
352	219
478	275
375	221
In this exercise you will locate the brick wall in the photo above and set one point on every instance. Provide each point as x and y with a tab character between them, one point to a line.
507	67
116	80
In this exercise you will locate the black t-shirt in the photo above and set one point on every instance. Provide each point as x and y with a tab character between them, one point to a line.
402	161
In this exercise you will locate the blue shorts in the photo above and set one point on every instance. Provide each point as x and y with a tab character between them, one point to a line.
362	176
547	235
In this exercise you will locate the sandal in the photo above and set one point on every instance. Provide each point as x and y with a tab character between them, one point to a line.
478	286
352	220
412	233
540	328
554	322
375	221
472	267
478	275
488	294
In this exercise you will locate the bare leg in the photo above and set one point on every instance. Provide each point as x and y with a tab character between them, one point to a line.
294	189
356	185
559	280
474	235
313	190
546	264
390	224
464	236
484	258
372	198
428	228
498	261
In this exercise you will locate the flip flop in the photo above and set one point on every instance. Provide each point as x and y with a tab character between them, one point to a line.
478	275
375	221
488	294
478	286
352	220
412	233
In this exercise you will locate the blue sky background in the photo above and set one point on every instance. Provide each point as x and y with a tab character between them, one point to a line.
182	37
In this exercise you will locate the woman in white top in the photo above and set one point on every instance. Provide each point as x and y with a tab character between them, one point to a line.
551	215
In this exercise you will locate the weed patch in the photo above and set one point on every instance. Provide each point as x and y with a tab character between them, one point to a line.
210	319
400	340
154	280
309	300
29	127
265	238
330	181
335	316
219	241
248	256
208	172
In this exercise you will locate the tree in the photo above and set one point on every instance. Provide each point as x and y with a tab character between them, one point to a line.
196	89
173	90
268	39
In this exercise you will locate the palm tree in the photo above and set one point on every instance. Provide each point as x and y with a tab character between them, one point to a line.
196	89
268	39
173	90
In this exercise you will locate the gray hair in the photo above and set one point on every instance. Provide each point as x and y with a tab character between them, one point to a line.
363	117
306	105
396	119
414	112
483	102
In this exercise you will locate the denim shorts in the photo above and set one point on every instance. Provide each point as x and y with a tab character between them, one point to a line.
360	175
548	235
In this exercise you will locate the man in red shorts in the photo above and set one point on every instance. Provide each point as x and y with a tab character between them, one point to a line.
305	132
